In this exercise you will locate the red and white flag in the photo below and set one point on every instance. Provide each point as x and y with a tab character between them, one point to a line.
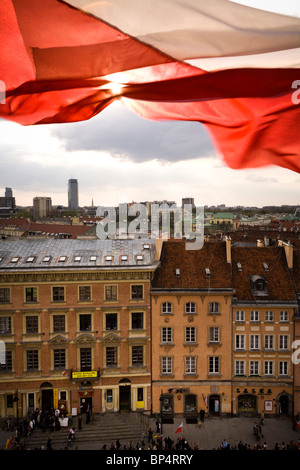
179	429
233	68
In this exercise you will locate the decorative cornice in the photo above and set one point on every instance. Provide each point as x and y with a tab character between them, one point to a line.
69	276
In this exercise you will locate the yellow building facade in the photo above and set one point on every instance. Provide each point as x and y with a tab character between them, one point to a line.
191	332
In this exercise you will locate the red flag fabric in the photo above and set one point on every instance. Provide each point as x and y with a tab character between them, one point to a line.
179	429
228	66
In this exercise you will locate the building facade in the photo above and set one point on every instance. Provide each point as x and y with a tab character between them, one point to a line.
42	207
264	309
144	325
191	331
75	321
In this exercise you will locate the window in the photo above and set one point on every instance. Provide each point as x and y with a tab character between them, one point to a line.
269	342
283	342
85	322
59	323
5	325
254	342
254	368
240	368
269	316
137	320
258	285
214	308
269	368
284	316
111	293
190	307
59	357
7	366
111	356
32	360
32	325
58	294
4	295
190	365
84	293
140	394
137	356
166	307
214	334
30	294
214	365
111	321
239	342
137	292
190	334
254	316
166	365
85	359
166	335
240	315
283	368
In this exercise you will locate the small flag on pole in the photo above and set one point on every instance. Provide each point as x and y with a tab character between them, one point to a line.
179	429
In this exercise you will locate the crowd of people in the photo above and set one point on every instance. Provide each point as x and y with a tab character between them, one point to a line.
49	422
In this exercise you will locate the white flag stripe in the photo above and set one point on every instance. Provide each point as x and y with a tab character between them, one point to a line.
190	29
281	59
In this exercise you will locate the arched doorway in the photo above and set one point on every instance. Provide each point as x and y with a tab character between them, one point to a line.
214	405
284	405
124	395
46	396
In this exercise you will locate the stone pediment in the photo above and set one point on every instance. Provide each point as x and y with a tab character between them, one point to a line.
111	338
58	340
85	338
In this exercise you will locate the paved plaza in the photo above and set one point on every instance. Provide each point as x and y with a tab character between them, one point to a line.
208	436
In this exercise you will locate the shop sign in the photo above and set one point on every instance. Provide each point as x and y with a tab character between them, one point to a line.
88	374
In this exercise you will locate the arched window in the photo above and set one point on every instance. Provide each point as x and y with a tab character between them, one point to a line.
190	307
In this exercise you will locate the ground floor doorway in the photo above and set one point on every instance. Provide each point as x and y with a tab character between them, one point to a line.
125	397
214	405
47	400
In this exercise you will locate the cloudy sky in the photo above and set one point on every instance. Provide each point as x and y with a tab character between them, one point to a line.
120	157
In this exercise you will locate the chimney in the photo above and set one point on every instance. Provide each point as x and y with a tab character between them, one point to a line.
228	249
289	252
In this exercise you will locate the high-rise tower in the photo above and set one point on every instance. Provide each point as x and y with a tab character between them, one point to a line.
73	194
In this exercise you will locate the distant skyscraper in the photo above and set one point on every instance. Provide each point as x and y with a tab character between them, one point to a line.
73	194
8	192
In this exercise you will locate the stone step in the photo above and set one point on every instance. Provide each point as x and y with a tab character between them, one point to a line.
102	430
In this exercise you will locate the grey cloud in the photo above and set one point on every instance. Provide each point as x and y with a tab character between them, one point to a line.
127	136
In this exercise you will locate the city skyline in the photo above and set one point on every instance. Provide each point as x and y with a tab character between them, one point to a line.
117	156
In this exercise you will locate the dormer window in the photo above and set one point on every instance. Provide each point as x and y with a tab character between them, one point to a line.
258	285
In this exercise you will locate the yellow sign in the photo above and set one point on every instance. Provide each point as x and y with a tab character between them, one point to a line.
88	374
55	398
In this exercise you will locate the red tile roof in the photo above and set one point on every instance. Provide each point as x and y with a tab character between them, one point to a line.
278	277
192	265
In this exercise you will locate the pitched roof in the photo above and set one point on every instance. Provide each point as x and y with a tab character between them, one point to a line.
192	265
30	254
268	263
